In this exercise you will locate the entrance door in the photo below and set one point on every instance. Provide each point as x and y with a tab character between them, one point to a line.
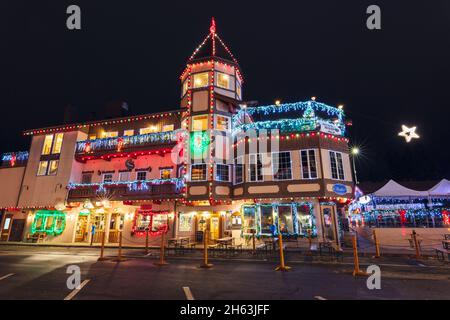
6	227
115	224
214	227
328	223
81	229
17	230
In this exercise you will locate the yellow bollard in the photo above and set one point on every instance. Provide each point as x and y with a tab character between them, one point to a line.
416	244
162	262
356	270
282	266
102	248
377	244
205	264
254	241
309	240
119	255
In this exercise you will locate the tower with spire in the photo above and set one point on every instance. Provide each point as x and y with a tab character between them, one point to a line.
211	91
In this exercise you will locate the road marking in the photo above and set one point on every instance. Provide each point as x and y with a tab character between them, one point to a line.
75	291
188	293
7	276
319	298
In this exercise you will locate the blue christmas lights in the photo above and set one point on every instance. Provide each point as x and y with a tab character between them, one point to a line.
137	185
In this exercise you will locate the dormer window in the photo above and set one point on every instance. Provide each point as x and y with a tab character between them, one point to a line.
201	80
223	80
110	134
151	129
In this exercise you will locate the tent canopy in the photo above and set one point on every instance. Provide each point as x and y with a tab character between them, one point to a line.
394	189
441	189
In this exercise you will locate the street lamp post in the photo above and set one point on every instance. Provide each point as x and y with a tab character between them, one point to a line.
355	152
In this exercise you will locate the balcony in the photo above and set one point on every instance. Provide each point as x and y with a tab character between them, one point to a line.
151	143
128	190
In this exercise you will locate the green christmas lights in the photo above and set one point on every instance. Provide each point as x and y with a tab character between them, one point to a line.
199	143
49	222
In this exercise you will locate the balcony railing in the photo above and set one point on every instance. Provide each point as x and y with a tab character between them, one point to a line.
127	143
127	190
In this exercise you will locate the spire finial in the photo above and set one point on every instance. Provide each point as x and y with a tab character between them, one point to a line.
212	29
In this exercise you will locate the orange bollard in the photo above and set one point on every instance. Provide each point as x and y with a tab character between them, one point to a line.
282	266
102	248
377	244
162	262
356	270
205	264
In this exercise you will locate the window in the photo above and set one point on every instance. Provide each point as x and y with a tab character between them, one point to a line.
165	173
86	178
223	80
107	177
128	132
168	127
159	221
337	168
238	171
48	141
141	175
58	143
7	224
200	123
266	219
124	176
238	90
42	169
309	166
222	123
222	172
142	222
110	134
53	167
285	219
185	87
151	129
249	219
281	166
198	172
185	222
255	168
305	219
92	137
201	80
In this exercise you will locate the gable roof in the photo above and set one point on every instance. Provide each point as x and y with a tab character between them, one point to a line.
394	189
441	189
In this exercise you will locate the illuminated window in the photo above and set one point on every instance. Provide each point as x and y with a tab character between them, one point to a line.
141	175
201	80
266	219
110	134
47	144
7	224
42	169
198	172
128	132
185	87
222	172
58	143
309	166
168	127
124	176
151	129
238	90
200	123
107	177
185	224
223	80
53	167
222	123
249	214
142	222
92	137
165	173
159	221
285	219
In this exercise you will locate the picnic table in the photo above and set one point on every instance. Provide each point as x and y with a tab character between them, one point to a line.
225	242
444	250
180	243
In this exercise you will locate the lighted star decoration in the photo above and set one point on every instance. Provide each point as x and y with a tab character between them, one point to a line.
409	133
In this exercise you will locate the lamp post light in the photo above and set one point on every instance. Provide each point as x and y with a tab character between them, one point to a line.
355	152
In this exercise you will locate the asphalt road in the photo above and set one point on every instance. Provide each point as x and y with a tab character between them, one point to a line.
42	274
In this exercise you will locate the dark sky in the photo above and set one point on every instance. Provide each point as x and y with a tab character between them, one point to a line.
292	50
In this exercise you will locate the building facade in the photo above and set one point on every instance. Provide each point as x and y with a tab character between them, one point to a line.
217	164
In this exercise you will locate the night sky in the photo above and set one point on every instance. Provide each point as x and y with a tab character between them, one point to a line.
289	50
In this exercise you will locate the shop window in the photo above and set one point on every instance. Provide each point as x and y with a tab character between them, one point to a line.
142	222
124	176
107	177
236	221
201	79
98	221
185	224
281	165
255	167
309	166
165	173
159	222
86	178
141	175
200	123
42	168
222	172
249	219
267	222
53	167
57	143
48	141
128	133
151	129
337	168
92	137
238	170
198	172
305	219
223	123
223	80
110	134
285	219
168	127
49	222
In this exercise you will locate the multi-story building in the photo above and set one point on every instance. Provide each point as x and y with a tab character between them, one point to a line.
217	163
